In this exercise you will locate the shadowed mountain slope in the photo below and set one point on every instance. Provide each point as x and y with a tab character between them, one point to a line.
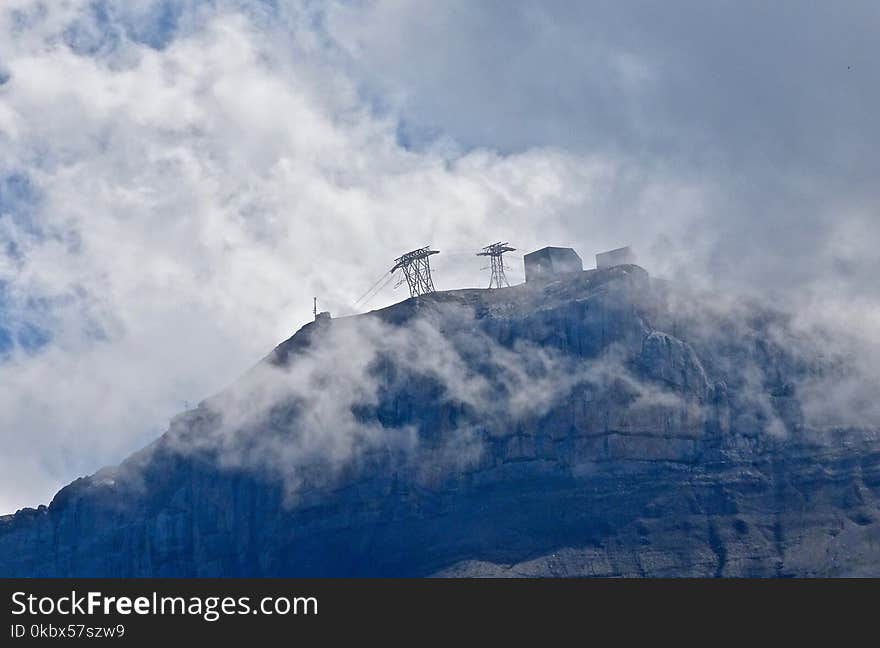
602	423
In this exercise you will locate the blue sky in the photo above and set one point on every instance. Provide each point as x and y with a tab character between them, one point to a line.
178	178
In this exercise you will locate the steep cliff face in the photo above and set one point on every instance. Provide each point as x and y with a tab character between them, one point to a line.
598	424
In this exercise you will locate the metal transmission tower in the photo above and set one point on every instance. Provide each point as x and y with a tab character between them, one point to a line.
495	252
417	270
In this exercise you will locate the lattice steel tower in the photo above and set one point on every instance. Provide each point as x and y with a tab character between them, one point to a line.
495	252
416	268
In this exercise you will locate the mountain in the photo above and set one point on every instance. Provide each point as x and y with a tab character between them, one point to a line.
603	423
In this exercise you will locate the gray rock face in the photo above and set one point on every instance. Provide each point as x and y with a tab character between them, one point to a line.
598	424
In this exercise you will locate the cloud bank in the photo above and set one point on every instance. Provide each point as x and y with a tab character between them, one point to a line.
179	178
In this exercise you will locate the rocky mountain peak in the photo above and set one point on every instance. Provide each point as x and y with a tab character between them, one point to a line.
599	423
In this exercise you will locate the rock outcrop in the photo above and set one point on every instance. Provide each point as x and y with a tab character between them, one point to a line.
599	424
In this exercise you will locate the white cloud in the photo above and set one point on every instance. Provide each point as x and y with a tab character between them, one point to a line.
190	200
197	179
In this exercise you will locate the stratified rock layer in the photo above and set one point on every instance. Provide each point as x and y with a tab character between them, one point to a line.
611	428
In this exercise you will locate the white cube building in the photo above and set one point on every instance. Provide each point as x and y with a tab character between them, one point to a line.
620	256
548	262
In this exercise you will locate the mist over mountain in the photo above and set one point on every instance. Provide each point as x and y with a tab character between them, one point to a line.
601	423
175	176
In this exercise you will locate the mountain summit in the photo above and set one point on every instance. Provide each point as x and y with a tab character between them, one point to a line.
599	423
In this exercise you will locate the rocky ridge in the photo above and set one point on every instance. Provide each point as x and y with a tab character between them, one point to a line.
599	424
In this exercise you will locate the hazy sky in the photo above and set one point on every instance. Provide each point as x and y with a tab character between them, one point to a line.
178	178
